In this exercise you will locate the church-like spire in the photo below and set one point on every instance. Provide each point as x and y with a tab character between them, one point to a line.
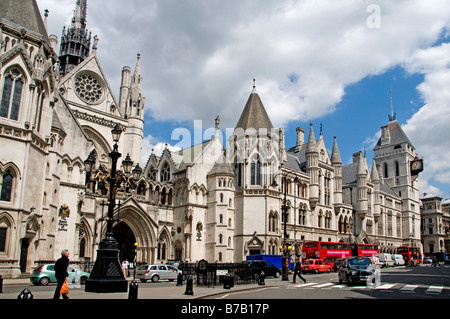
335	155
254	114
311	146
75	40
79	18
393	116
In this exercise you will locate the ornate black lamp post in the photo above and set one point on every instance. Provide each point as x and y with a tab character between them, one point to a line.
107	275
285	248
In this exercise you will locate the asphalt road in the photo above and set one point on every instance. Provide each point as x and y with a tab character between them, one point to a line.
423	282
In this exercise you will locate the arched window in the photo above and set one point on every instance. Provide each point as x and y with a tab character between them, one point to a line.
273	221
165	173
82	247
256	171
397	169
386	172
11	95
6	186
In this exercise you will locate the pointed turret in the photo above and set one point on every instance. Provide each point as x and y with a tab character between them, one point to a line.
311	146
312	168
361	177
337	165
254	115
335	155
134	111
376	190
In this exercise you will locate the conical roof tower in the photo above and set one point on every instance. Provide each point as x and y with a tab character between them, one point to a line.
254	115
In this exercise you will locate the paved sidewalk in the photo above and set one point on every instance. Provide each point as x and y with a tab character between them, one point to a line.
145	290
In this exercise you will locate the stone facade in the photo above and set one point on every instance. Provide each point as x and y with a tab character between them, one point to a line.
203	202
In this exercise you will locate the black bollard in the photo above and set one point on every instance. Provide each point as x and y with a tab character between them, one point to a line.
261	279
189	283
133	293
179	279
1	284
226	281
25	294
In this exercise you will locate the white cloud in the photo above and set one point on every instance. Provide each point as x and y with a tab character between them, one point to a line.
208	51
428	128
199	57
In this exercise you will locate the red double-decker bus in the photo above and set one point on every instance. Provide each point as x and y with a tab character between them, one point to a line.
407	252
368	250
326	251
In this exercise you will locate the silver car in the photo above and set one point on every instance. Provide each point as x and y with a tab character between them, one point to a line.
157	272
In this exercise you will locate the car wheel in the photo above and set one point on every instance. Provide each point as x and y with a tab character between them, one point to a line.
83	280
277	274
329	269
316	271
44	281
155	278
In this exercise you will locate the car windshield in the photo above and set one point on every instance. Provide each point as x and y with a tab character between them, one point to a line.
309	262
359	263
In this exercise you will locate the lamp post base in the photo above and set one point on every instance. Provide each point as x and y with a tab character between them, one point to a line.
284	275
107	275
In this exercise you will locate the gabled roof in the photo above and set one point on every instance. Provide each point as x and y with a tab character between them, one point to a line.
254	115
25	14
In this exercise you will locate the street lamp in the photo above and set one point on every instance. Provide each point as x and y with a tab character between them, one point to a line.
107	275
285	248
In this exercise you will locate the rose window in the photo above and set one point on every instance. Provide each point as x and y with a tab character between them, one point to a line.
88	88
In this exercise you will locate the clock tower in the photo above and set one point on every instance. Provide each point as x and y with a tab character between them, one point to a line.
398	166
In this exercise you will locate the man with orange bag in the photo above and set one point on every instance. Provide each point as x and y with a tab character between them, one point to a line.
61	273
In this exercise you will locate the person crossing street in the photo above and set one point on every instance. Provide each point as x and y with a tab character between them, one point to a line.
298	270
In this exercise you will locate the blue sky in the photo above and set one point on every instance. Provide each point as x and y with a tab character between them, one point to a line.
326	62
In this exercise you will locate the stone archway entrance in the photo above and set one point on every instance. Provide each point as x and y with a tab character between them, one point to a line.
126	239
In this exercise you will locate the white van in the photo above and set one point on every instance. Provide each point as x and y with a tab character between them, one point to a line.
385	260
398	260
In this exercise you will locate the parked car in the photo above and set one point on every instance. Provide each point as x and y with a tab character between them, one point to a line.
398	260
385	260
315	265
355	270
45	274
157	272
256	266
427	260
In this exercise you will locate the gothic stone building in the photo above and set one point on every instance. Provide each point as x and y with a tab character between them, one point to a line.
203	202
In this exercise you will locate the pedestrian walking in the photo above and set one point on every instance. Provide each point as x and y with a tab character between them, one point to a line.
125	265
435	262
61	273
298	270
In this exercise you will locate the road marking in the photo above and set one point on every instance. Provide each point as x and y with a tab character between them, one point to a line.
324	285
409	288
386	286
434	290
304	285
224	296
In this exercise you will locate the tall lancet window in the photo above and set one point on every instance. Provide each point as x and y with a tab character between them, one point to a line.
11	95
256	171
